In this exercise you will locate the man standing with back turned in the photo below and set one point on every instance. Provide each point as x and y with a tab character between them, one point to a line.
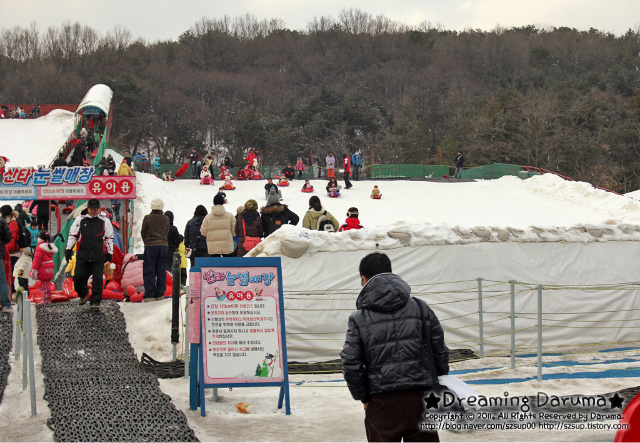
385	359
93	234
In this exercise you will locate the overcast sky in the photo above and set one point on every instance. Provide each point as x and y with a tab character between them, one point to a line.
167	19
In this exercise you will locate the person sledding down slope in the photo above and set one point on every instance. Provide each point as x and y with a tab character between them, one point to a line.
205	176
333	188
307	187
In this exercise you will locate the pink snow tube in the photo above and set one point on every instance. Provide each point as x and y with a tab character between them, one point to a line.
132	272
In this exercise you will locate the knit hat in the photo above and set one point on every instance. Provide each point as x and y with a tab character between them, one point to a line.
251	205
352	212
273	197
218	199
157	204
239	209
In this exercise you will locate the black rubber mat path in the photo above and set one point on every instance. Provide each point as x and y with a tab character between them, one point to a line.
6	340
93	383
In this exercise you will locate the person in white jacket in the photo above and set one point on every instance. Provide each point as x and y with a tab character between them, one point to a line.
218	227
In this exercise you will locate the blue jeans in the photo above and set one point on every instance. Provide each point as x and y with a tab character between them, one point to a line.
458	173
5	301
154	271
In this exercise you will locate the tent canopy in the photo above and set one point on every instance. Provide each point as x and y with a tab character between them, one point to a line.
97	98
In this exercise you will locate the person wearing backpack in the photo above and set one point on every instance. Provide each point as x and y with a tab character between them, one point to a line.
319	219
42	268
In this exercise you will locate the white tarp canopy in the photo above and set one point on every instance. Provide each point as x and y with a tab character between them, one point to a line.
98	96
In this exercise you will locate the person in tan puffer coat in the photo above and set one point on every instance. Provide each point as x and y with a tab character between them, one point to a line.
218	227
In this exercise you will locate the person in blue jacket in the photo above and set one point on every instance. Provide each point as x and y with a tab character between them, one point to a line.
356	164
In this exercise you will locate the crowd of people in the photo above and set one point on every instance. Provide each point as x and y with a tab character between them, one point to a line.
18	112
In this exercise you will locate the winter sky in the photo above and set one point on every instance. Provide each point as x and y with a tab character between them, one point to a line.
167	19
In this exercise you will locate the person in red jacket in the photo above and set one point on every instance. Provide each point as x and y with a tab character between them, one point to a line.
42	268
11	247
346	163
251	158
352	221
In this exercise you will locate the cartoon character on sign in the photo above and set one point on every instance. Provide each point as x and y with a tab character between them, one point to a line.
273	362
258	294
221	294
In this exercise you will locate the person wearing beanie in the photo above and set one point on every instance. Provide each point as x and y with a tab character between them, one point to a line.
218	228
193	239
352	221
269	186
93	233
317	218
248	224
275	214
155	231
5	237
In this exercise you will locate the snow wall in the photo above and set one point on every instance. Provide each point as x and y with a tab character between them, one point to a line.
321	289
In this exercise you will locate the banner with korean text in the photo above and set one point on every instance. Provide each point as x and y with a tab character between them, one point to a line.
64	183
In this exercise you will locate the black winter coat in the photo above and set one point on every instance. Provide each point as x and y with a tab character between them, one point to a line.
59	162
5	233
192	237
274	216
384	350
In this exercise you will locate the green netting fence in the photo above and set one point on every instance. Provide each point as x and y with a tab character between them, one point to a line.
407	171
493	171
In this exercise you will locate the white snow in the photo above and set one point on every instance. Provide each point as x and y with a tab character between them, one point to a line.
460	230
29	143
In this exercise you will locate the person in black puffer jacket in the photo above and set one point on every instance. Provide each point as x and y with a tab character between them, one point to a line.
384	358
274	215
173	239
192	237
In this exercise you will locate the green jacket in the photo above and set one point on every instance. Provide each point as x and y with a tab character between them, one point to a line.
310	220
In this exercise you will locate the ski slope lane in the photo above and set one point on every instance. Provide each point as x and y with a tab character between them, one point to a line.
29	143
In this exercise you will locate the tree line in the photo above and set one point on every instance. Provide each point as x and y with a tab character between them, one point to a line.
555	98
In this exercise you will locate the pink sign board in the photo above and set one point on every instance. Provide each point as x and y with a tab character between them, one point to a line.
194	307
241	335
100	187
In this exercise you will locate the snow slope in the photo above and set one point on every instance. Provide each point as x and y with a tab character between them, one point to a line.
35	142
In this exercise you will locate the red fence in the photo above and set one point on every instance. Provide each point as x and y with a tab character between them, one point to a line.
44	109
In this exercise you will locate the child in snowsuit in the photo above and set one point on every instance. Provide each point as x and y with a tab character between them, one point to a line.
307	186
34	231
42	268
205	177
376	192
300	167
352	221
